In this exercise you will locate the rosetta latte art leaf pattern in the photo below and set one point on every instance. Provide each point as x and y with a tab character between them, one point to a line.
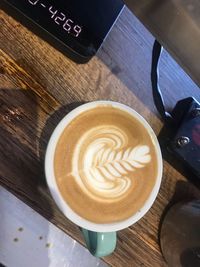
103	162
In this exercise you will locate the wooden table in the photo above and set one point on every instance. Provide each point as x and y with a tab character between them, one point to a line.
175	24
39	85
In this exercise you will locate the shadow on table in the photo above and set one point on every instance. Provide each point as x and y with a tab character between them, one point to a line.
19	163
21	171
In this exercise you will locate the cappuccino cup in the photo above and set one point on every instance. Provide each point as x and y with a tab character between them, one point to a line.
103	166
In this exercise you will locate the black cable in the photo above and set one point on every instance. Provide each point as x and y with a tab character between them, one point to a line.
157	95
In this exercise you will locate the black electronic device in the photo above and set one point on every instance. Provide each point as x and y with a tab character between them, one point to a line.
180	137
77	28
185	142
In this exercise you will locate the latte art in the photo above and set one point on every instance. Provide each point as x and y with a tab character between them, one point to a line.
102	170
105	164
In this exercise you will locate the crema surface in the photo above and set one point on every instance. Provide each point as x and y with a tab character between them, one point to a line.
105	164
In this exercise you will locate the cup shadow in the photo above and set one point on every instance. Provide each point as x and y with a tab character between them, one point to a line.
21	170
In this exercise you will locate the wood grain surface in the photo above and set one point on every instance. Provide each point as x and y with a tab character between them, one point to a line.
175	23
39	85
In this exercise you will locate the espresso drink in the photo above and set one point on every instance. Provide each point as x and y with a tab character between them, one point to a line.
105	164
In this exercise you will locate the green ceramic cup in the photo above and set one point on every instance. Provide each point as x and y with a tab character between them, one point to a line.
99	238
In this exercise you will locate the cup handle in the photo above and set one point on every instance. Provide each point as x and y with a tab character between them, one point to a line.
100	244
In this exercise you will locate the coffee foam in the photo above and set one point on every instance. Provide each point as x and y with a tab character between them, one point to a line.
105	165
102	170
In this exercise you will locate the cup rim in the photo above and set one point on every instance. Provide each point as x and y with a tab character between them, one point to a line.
51	181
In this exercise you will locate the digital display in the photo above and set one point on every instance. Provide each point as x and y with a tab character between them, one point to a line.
58	17
81	25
